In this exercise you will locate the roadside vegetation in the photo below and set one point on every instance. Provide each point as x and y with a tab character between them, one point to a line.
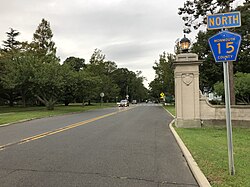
209	149
32	74
14	114
170	108
208	146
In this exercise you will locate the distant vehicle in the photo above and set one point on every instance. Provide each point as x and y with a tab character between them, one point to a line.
134	102
123	103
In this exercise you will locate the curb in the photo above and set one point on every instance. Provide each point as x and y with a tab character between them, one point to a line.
198	174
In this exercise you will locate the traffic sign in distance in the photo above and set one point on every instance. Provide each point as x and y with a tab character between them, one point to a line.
225	46
162	95
224	20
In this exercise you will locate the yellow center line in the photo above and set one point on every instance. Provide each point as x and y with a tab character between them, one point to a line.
48	133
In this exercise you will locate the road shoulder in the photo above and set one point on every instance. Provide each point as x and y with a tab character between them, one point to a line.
198	174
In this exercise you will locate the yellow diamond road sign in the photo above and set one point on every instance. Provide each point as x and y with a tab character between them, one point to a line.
162	95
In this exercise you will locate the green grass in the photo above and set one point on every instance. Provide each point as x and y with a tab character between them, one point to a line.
170	108
209	149
13	114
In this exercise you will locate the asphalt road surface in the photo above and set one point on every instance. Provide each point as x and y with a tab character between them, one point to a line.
112	147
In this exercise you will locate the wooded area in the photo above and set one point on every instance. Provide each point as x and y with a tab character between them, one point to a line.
32	74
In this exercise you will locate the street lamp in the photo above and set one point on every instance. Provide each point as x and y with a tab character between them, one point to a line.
185	44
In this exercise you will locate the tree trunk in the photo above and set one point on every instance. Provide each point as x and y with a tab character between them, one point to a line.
23	99
50	104
11	100
230	69
231	83
66	103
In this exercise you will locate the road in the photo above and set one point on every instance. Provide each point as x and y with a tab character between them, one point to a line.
112	147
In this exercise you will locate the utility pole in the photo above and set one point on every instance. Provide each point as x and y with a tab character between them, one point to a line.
231	71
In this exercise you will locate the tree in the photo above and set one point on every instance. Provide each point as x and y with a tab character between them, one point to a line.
49	83
155	89
130	83
19	75
43	44
210	71
70	80
242	87
97	57
243	64
164	80
8	61
103	69
194	14
75	63
11	43
87	86
48	73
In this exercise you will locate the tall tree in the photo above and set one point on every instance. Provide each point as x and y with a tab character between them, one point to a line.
11	43
243	64
72	67
43	44
48	76
97	57
100	67
8	61
164	80
70	80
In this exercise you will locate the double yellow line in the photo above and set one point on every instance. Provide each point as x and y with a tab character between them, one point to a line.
55	131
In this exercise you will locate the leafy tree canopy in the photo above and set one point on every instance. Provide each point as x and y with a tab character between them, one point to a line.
42	42
164	79
75	63
11	43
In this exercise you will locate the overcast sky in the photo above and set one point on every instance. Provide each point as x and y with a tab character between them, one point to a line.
130	32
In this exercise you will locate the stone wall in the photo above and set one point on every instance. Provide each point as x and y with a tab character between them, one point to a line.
216	114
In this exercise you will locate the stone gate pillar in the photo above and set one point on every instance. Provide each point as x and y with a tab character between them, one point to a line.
187	91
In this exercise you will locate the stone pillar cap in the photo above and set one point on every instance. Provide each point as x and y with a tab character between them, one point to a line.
187	57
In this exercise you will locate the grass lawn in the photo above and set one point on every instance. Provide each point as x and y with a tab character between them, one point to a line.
209	149
170	108
13	114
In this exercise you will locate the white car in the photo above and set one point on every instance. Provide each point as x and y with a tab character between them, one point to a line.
123	103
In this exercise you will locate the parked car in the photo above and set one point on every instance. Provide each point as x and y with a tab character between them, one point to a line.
123	103
134	102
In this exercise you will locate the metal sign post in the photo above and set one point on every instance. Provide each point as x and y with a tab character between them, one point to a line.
225	46
228	119
101	95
